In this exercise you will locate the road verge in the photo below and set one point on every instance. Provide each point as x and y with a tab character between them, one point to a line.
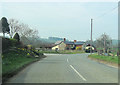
108	60
15	61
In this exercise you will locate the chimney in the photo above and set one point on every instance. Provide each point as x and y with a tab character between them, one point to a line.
64	39
75	41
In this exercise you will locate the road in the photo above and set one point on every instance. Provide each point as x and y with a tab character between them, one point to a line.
66	68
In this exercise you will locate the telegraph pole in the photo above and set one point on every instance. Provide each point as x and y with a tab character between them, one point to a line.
91	33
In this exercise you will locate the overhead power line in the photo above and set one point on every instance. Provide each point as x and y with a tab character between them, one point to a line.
106	12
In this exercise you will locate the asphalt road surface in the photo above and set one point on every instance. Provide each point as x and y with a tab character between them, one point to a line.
66	68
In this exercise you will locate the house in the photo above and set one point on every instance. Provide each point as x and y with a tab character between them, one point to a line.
46	47
75	45
60	45
68	45
79	45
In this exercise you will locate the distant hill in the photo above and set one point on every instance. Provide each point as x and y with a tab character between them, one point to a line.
55	39
114	42
51	39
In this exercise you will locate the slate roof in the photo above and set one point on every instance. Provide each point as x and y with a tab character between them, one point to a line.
79	43
68	42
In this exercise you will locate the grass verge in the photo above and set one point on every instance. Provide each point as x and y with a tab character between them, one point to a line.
63	52
108	59
13	61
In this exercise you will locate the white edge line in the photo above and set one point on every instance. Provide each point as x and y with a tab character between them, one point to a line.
78	73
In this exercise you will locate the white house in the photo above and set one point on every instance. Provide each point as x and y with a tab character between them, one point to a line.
60	45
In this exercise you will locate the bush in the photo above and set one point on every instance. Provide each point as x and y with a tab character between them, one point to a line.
78	48
8	43
17	37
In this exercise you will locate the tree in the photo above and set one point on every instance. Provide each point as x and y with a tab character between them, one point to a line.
14	26
21	28
17	37
104	42
27	34
5	26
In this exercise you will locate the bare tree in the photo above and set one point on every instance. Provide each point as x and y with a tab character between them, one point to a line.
14	26
27	34
104	42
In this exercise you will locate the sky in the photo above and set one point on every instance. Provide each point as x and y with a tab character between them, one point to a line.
69	20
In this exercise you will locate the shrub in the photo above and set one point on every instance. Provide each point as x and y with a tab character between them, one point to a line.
17	37
8	43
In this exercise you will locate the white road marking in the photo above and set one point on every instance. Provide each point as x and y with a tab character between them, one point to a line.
51	54
78	73
67	60
39	61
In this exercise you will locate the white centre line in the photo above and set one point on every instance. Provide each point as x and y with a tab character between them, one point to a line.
67	60
78	73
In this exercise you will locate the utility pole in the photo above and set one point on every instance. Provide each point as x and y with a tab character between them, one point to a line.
104	44
91	33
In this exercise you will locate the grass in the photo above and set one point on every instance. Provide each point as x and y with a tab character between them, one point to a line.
71	52
14	60
63	52
112	59
113	50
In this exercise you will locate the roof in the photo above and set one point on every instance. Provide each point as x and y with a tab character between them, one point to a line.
68	42
79	43
58	42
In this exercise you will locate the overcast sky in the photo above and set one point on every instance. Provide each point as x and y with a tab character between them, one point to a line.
65	19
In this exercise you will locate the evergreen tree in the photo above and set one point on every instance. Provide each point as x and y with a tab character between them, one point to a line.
5	26
17	37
